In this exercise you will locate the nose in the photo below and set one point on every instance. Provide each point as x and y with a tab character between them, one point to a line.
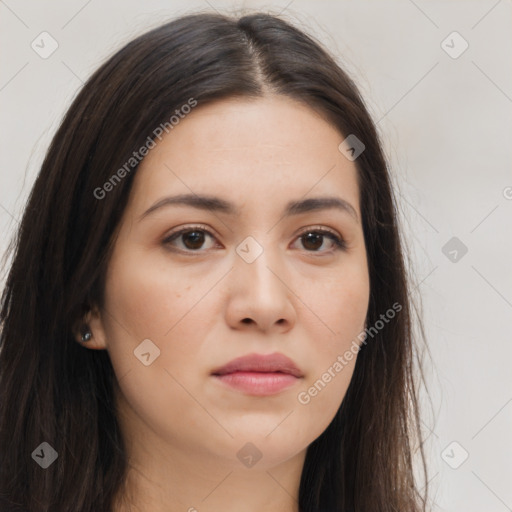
260	294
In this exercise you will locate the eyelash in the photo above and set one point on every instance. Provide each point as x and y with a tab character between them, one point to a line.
339	242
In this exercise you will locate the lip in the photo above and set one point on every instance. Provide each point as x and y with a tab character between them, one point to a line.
258	374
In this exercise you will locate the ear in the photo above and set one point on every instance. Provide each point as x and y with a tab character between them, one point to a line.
93	320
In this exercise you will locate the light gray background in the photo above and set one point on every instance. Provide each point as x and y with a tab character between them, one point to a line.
446	124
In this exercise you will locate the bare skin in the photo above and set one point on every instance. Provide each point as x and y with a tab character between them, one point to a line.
204	305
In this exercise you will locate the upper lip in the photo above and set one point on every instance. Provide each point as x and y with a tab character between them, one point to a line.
270	363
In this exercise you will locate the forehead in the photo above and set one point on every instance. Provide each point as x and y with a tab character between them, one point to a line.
269	149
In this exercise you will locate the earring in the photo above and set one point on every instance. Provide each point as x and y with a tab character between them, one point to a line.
85	332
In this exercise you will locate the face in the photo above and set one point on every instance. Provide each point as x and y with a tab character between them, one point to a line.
244	277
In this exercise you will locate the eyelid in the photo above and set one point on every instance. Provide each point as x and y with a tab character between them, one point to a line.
321	228
201	227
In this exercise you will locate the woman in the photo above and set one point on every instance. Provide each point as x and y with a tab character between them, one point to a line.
207	307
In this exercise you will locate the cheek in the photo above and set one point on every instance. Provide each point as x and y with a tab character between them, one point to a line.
172	309
331	369
149	300
342	304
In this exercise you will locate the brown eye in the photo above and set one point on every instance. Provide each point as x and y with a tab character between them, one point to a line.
313	240
191	238
194	238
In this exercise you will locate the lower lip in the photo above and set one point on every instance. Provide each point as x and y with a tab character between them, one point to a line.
258	383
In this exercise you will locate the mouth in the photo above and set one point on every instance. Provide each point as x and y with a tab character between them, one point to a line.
259	375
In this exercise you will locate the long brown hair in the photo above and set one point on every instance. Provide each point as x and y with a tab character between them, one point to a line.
53	390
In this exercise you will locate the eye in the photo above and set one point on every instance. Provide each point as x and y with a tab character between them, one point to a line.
192	239
313	239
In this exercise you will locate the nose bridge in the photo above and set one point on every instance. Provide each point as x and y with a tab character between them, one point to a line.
257	264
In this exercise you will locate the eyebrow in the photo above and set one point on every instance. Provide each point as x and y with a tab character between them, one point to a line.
216	204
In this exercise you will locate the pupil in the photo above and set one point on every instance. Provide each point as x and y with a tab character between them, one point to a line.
197	239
